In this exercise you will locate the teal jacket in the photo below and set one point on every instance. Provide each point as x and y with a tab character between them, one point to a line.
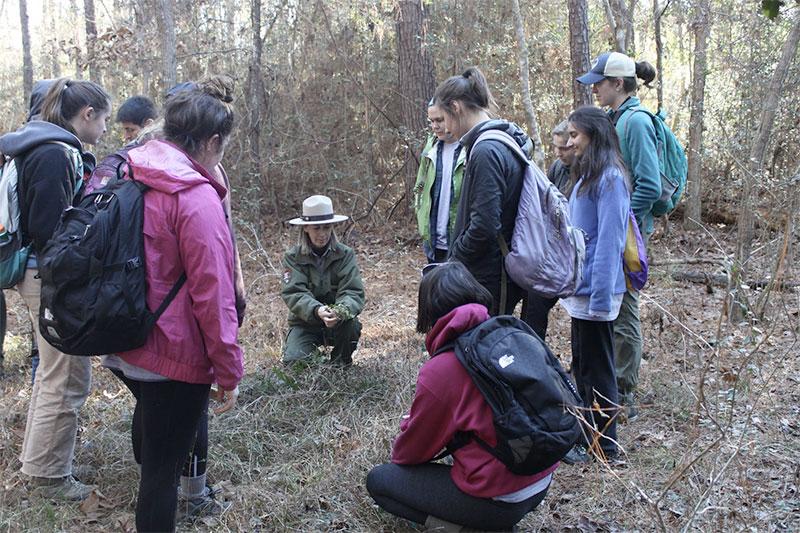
308	285
422	189
637	139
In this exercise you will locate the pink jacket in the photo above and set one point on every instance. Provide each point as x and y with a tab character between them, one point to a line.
447	402
185	230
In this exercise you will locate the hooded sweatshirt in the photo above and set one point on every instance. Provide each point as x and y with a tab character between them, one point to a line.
47	178
489	200
185	230
447	402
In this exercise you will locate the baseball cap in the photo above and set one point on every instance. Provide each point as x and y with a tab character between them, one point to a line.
609	65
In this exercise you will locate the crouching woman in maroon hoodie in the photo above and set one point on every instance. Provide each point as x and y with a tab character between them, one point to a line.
477	491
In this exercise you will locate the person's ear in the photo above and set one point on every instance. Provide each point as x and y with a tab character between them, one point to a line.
147	122
88	113
456	107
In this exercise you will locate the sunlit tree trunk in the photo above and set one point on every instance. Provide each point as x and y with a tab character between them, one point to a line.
254	84
522	57
620	20
91	40
746	221
658	12
579	50
692	214
27	61
166	17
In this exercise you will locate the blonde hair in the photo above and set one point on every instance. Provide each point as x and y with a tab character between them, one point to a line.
304	242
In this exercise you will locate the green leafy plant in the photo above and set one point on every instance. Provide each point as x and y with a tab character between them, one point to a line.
342	311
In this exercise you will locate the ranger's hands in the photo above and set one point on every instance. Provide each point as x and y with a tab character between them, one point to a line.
328	317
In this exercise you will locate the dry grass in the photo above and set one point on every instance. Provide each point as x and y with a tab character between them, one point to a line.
294	455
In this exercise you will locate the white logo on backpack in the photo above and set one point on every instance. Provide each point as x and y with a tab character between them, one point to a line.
506	360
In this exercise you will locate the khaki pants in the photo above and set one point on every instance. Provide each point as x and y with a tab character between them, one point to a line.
59	391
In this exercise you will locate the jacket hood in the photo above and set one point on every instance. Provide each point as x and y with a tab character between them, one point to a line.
33	134
38	93
453	324
163	166
510	128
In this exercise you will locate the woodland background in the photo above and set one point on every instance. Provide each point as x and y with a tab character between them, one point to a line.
331	99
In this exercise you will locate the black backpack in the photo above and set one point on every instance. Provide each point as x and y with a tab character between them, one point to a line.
93	274
531	396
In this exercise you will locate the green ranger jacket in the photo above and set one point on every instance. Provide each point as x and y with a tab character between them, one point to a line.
306	286
422	188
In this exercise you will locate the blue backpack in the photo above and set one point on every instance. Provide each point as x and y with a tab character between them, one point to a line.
672	163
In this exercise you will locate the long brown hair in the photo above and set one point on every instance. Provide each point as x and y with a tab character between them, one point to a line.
67	97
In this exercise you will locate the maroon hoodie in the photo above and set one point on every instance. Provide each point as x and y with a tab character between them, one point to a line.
446	402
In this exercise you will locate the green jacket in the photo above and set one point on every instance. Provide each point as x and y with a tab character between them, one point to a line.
637	139
422	189
306	287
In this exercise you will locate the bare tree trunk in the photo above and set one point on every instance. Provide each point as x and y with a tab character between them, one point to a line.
27	61
620	20
141	31
579	50
76	49
166	17
692	214
416	82
91	40
746	223
52	14
658	11
254	84
522	56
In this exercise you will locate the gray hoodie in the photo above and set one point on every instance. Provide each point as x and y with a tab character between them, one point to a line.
47	178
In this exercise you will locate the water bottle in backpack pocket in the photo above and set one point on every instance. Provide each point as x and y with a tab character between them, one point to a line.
634	256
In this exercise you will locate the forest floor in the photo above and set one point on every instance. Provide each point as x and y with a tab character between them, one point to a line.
716	446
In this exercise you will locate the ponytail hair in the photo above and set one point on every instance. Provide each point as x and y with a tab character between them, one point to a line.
194	115
67	97
645	72
470	88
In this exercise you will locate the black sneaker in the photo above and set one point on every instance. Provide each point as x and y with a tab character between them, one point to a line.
576	455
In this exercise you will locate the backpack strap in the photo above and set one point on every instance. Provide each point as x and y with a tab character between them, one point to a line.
506	139
168	298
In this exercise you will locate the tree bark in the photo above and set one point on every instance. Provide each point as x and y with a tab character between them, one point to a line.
620	20
27	61
166	18
746	222
75	51
579	50
254	84
91	40
524	77
658	11
52	14
702	28
416	82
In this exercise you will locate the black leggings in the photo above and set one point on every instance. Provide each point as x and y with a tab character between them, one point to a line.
417	492
165	423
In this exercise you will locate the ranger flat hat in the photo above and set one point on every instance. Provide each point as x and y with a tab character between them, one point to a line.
317	209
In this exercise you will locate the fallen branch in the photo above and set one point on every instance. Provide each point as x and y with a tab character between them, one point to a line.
721	280
687	261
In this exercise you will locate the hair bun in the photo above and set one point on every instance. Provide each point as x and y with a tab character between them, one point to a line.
220	87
